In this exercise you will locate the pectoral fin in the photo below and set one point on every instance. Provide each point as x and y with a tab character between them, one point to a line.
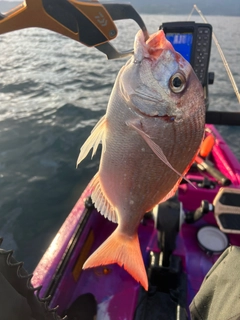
156	149
97	136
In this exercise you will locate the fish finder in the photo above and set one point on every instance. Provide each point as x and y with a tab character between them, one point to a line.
193	41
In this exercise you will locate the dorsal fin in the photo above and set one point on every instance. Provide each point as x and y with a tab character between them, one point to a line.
101	202
96	137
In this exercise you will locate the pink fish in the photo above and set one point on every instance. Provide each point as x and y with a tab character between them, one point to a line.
150	135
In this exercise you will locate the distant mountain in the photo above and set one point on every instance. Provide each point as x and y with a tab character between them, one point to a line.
208	7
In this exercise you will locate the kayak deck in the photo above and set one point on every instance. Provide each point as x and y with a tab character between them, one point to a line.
116	292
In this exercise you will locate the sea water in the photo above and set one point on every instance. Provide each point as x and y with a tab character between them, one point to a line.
53	90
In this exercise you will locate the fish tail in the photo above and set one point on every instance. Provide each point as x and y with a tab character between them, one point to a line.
123	250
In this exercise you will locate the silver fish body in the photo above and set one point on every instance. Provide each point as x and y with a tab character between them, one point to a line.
151	133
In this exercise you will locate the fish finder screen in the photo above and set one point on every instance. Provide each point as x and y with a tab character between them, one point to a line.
182	43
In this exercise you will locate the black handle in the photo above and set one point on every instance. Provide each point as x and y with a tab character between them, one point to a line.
223	118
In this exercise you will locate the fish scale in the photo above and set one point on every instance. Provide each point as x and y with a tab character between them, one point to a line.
151	134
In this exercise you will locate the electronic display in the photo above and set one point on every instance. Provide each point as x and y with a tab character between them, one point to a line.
182	43
193	41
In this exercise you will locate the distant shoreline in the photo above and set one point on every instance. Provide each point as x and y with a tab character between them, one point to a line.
161	7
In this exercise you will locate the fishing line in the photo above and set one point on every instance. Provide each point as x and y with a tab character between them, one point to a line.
224	60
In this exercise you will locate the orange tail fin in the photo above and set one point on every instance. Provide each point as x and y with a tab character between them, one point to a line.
123	250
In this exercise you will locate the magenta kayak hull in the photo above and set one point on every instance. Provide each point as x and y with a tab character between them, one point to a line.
116	292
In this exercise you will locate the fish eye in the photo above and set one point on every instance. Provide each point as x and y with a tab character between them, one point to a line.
177	82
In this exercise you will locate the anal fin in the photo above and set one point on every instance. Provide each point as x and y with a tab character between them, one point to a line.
101	201
97	136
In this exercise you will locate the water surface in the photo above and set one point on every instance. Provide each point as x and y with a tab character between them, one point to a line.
52	92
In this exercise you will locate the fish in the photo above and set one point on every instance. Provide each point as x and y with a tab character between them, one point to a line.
150	135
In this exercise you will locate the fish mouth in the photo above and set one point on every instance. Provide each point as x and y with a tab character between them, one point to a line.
168	118
152	48
156	43
165	117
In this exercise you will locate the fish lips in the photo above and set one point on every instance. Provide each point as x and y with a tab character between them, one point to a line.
151	49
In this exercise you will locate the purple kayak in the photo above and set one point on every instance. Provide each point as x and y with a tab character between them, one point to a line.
177	263
180	239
